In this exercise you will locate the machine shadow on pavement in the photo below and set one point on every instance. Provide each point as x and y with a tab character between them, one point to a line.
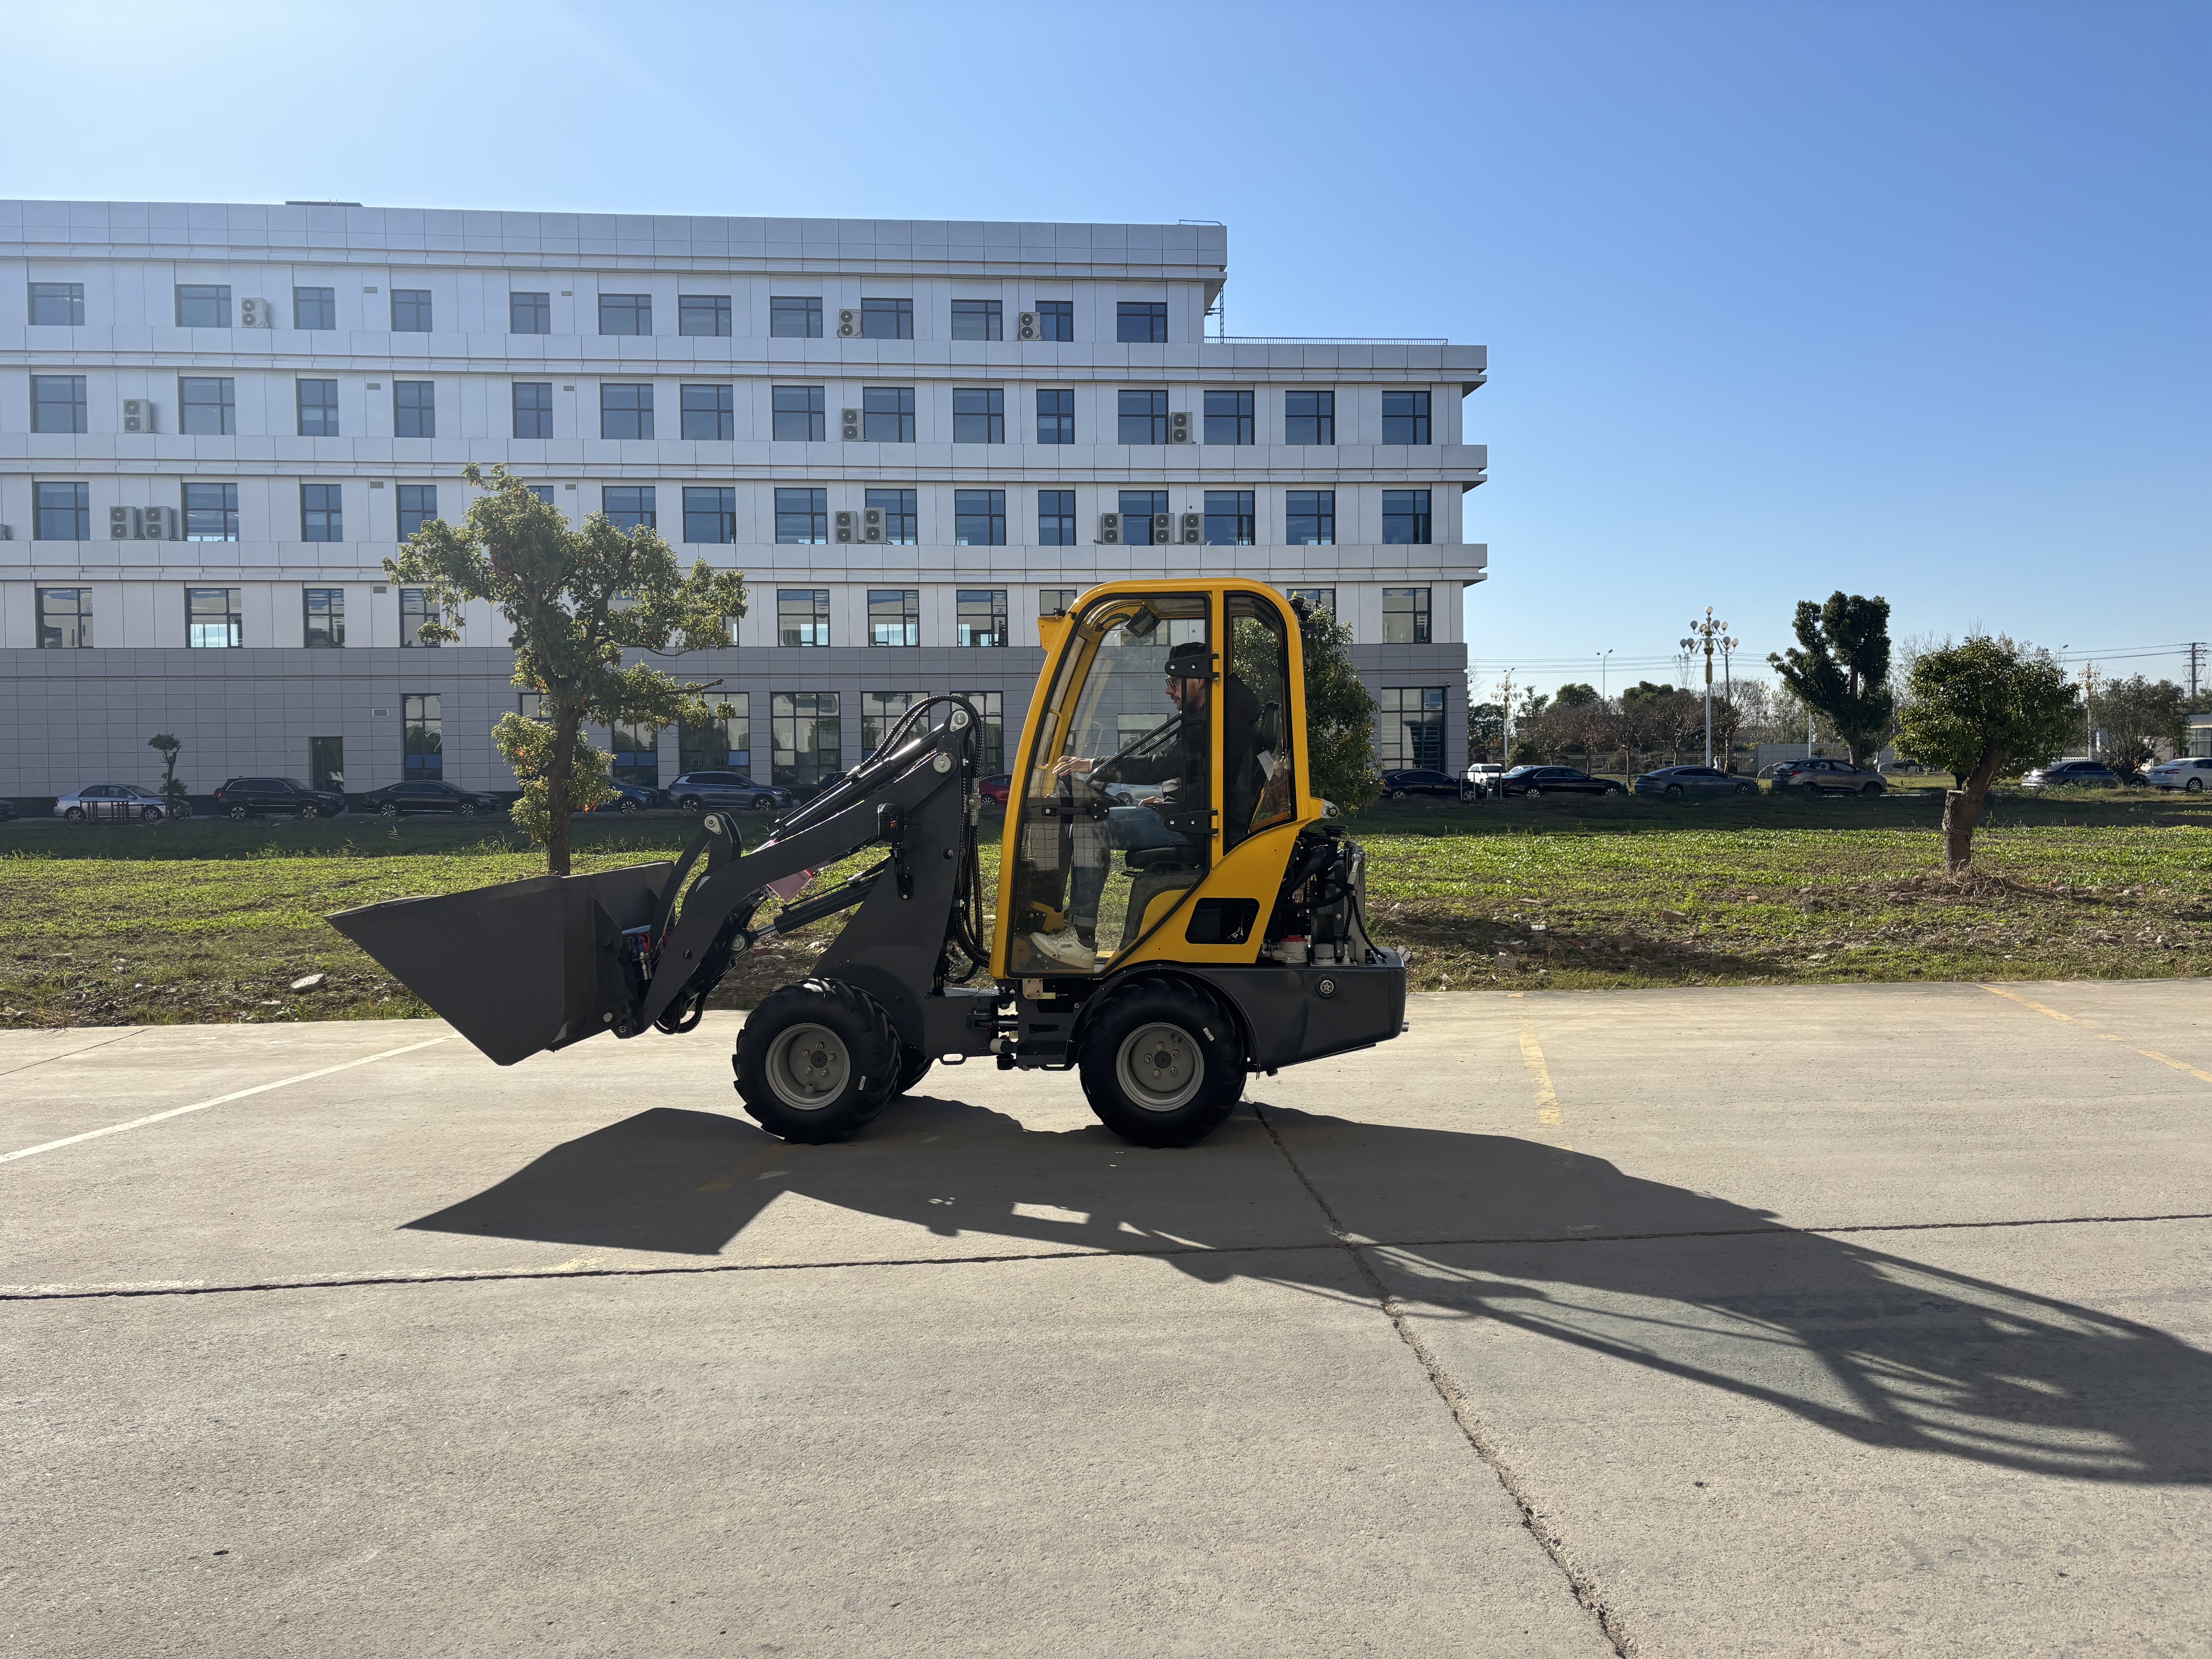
1872	1346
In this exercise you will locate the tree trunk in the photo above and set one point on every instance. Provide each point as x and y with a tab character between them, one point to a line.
1962	810
566	723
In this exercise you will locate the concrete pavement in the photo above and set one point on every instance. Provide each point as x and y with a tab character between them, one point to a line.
1867	1319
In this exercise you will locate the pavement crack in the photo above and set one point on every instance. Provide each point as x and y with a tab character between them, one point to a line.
28	1065
1541	1527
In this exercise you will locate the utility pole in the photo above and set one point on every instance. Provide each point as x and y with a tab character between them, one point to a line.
2089	710
1507	696
2196	665
1707	635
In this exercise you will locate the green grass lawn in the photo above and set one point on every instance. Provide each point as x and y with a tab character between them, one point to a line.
210	921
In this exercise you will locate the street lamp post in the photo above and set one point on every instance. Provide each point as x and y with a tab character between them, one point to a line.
1707	635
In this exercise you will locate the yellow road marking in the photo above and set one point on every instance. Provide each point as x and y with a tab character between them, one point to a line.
731	1177
1547	1097
2148	1053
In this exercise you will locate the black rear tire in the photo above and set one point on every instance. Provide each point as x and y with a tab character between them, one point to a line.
241	811
1162	1065
913	1066
817	1061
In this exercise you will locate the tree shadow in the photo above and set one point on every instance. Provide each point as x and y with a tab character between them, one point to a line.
1873	1346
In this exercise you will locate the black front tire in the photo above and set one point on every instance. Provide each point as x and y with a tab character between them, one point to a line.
1674	792
913	1066
1162	1065
690	803
817	1061
629	805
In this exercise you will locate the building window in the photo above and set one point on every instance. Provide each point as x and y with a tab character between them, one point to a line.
1056	518
415	610
410	311
58	305
1228	518
976	320
326	617
319	408
1144	417
629	507
1405	517
981	617
887	414
800	414
1056	416
1055	601
806	747
1405	616
802	616
879	712
990	730
1140	322
625	314
710	515
1410	727
1309	517
979	415
1055	320
794	317
979	518
64	618
637	754
901	520
887	319
544	492
529	313
1322	601
58	403
424	739
625	411
1137	507
418	505
414	409
702	313
1404	417
708	412
326	763
207	405
894	615
62	512
212	622
314	307
725	744
533	408
1310	417
203	305
1229	418
802	517
322	517
211	512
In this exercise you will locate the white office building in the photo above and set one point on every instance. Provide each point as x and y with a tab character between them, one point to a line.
913	437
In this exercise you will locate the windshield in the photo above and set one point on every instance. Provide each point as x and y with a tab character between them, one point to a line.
297	785
1523	771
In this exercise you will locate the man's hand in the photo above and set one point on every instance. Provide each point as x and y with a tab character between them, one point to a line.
1072	766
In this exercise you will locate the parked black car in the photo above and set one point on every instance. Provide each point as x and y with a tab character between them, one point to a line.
1405	784
7	811
696	791
1693	783
1538	780
426	795
632	797
2074	774
246	797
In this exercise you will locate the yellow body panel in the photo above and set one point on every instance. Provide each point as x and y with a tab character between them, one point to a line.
1254	868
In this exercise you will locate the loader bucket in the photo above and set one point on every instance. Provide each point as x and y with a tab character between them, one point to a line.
520	967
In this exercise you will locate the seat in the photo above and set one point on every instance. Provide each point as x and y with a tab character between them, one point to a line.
1159	870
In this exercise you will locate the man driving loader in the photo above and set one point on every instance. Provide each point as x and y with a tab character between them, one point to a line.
1180	812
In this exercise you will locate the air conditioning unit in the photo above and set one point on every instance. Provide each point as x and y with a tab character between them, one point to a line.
162	524
125	525
844	527
872	523
1025	327
1179	427
848	323
1194	529
1163	528
256	313
137	414
848	425
1109	528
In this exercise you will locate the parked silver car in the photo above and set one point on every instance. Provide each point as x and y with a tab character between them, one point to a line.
107	801
2190	772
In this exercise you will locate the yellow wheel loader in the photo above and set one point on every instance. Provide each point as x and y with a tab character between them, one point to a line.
1176	909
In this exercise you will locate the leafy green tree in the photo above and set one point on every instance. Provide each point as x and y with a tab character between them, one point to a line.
1980	707
2132	714
172	792
1485	730
1575	696
1339	713
578	601
1840	667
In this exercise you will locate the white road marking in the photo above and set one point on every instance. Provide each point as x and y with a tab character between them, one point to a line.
220	1100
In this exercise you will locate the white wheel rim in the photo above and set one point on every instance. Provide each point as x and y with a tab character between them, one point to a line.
1159	1066
807	1067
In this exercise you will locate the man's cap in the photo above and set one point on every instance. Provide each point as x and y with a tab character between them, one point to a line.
1190	660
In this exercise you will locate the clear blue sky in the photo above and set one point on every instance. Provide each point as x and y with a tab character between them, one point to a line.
1903	298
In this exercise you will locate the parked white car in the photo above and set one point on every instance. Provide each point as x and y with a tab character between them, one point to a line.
110	800
2190	772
